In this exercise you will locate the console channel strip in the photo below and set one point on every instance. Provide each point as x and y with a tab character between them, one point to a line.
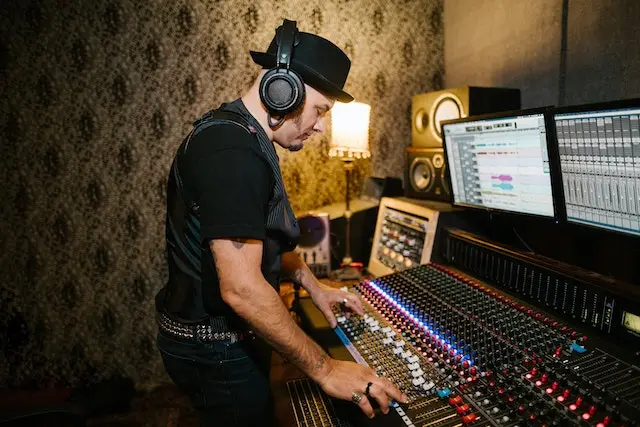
467	355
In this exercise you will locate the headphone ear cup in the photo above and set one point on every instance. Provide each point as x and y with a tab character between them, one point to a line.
281	91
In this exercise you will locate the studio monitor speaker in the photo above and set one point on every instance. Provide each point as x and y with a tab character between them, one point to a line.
314	246
426	174
429	109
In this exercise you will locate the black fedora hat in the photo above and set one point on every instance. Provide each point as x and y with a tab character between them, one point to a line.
321	64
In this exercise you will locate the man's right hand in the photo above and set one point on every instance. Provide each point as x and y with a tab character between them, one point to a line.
345	378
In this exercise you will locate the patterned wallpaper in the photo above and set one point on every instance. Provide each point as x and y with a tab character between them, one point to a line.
95	98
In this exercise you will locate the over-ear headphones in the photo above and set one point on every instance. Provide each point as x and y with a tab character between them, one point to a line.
281	88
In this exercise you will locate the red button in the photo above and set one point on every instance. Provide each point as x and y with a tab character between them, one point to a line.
468	419
462	409
455	400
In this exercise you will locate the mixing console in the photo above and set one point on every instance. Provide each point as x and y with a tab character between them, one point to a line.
466	355
311	406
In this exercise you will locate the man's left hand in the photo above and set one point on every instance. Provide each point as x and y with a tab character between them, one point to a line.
325	297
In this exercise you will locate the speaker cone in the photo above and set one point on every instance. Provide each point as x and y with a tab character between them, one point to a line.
312	231
446	107
421	174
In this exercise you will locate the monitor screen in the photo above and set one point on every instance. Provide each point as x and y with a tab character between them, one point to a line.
500	163
600	165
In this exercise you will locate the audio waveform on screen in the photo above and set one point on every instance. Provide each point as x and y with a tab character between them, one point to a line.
502	177
503	185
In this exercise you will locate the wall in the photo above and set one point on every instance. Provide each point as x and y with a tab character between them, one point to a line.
505	44
95	98
519	43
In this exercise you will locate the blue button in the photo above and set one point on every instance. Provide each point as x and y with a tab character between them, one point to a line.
578	348
442	394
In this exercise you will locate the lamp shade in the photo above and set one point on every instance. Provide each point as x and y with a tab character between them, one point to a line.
350	130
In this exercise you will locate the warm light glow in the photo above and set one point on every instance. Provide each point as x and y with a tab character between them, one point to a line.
350	130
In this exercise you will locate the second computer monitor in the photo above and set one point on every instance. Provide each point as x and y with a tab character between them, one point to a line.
599	147
501	162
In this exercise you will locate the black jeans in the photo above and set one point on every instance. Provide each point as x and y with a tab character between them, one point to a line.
228	383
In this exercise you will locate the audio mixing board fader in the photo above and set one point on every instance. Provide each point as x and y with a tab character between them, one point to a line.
466	355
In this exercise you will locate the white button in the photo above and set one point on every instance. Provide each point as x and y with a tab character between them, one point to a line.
386	329
418	381
397	350
407	354
428	386
413	366
414	359
387	341
400	343
342	319
417	372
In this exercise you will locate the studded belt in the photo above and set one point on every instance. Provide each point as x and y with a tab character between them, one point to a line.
198	331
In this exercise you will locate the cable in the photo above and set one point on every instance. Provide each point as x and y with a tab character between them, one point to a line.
334	251
522	241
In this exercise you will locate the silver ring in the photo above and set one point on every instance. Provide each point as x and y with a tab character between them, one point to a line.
344	301
356	397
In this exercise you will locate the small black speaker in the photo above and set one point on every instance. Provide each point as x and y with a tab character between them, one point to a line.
314	246
425	174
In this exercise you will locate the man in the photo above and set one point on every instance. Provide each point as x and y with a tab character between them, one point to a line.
230	232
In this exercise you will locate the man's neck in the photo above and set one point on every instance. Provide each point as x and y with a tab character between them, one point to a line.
253	103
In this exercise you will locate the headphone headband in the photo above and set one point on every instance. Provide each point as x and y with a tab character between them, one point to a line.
286	39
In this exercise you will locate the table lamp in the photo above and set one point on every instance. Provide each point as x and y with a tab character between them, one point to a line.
349	141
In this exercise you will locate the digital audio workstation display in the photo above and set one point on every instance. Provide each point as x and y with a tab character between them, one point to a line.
600	165
500	163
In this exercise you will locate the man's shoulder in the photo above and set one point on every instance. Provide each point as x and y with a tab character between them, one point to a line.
219	136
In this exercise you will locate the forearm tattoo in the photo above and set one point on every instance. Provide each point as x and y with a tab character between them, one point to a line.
238	243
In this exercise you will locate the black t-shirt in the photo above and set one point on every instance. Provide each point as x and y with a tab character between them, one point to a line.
225	172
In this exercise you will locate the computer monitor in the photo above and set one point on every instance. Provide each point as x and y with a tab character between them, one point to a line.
599	146
501	162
